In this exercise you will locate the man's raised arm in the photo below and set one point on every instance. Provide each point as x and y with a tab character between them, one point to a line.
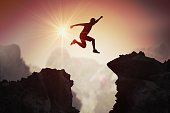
98	19
81	24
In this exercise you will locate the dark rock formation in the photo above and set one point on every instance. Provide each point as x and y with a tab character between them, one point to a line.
12	66
48	91
143	84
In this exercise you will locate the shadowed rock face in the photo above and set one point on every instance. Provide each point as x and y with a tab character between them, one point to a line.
48	91
143	84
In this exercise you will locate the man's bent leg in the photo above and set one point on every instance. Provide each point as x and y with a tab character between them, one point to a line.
82	43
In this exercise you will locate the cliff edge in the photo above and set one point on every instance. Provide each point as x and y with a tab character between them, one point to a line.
143	84
48	91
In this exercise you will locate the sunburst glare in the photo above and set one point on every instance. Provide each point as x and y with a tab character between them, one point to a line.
62	31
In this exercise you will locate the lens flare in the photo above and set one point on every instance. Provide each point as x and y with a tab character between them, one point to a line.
62	31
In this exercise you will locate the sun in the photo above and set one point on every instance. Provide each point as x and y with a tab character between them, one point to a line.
62	31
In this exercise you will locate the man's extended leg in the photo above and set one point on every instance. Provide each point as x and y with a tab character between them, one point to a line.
88	38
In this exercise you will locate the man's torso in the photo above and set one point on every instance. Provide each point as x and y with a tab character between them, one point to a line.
87	28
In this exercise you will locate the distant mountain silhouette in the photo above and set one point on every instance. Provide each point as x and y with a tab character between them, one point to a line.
143	84
48	91
12	66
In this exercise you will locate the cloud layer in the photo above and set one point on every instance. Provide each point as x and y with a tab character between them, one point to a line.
92	81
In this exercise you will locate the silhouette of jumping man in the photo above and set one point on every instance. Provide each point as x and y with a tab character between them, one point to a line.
84	33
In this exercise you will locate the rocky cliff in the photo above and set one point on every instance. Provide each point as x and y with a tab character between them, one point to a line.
48	91
143	84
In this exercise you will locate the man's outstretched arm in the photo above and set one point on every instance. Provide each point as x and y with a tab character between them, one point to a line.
98	19
82	24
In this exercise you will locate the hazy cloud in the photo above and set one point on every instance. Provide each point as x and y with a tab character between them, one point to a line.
12	66
92	81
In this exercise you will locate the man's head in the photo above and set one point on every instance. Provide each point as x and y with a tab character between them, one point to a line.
92	20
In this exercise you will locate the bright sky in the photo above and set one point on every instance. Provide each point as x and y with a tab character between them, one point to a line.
34	24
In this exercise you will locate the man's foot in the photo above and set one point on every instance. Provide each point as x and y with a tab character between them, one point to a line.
95	51
73	42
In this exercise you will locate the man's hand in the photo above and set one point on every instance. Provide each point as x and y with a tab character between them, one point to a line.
98	19
71	26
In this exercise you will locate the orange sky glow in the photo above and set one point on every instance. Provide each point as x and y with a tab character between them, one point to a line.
125	27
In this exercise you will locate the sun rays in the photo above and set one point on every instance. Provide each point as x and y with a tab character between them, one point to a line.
54	26
62	31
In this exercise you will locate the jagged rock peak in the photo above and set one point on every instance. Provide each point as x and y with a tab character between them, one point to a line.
48	91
